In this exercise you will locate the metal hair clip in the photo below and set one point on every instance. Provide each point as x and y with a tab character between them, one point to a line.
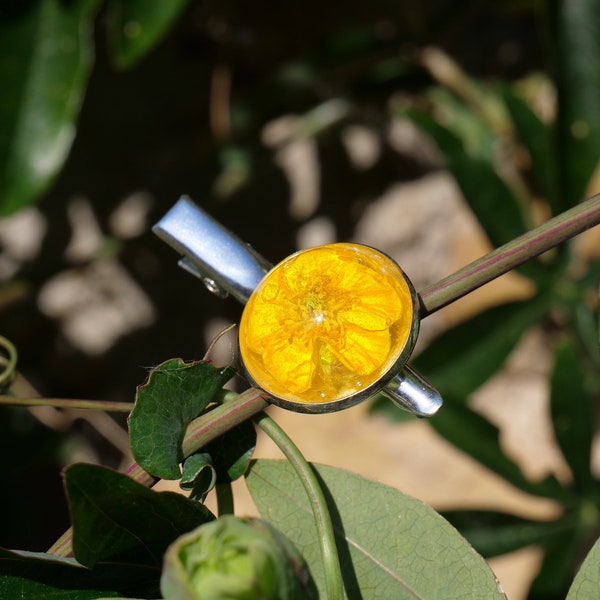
322	330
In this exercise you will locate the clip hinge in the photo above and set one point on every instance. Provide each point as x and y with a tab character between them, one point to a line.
225	264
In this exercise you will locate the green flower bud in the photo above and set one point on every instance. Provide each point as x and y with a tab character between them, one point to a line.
235	559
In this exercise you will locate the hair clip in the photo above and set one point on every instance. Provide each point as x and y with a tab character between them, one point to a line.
322	330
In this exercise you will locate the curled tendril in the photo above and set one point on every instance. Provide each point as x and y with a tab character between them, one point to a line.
8	363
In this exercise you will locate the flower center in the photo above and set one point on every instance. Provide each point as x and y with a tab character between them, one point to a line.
315	308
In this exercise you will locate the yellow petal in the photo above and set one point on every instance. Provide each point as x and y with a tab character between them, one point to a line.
270	313
378	297
290	363
363	352
364	319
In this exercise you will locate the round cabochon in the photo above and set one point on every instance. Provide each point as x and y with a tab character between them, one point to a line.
327	323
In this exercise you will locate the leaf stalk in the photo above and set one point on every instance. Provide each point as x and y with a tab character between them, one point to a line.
316	498
104	405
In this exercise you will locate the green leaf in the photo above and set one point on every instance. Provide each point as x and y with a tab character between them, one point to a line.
462	359
198	475
476	436
535	136
572	413
176	393
575	44
222	461
490	198
35	575
46	55
493	533
136	26
587	581
390	545
464	121
584	318
231	452
117	519
562	555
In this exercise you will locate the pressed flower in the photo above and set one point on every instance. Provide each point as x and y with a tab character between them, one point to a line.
326	323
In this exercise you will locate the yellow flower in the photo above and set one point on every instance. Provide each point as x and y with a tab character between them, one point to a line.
326	323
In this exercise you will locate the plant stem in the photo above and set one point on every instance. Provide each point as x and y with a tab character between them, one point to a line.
326	535
140	475
67	403
527	246
225	504
223	418
63	546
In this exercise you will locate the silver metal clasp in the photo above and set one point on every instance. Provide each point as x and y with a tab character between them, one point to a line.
228	266
225	264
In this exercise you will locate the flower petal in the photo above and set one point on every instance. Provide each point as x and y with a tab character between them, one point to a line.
308	270
290	362
365	319
271	312
362	351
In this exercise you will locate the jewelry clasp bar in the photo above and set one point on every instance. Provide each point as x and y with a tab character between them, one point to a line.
224	263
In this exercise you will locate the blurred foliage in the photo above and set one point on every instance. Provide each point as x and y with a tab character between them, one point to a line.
177	98
483	130
280	65
46	58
